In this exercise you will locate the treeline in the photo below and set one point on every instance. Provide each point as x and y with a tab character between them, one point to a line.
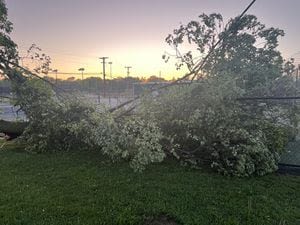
91	84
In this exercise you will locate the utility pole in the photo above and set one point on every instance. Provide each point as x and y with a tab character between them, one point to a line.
128	73
104	75
128	70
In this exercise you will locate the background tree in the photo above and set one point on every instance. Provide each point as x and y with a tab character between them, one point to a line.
248	50
8	49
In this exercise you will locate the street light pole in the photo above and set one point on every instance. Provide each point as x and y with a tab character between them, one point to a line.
55	71
81	70
110	83
110	69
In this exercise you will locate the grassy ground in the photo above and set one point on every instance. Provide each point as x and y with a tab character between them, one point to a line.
78	188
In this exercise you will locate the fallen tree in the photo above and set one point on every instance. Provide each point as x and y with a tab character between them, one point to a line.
194	124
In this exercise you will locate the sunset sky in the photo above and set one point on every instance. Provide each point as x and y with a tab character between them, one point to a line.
75	33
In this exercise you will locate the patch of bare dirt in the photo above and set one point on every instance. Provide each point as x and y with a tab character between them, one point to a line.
160	220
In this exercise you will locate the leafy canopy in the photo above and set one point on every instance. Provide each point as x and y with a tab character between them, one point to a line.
248	49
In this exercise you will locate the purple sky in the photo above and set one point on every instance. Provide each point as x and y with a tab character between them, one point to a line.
131	32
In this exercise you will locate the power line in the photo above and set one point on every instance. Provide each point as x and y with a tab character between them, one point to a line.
76	73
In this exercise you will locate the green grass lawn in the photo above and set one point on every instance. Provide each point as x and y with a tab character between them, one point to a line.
80	188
